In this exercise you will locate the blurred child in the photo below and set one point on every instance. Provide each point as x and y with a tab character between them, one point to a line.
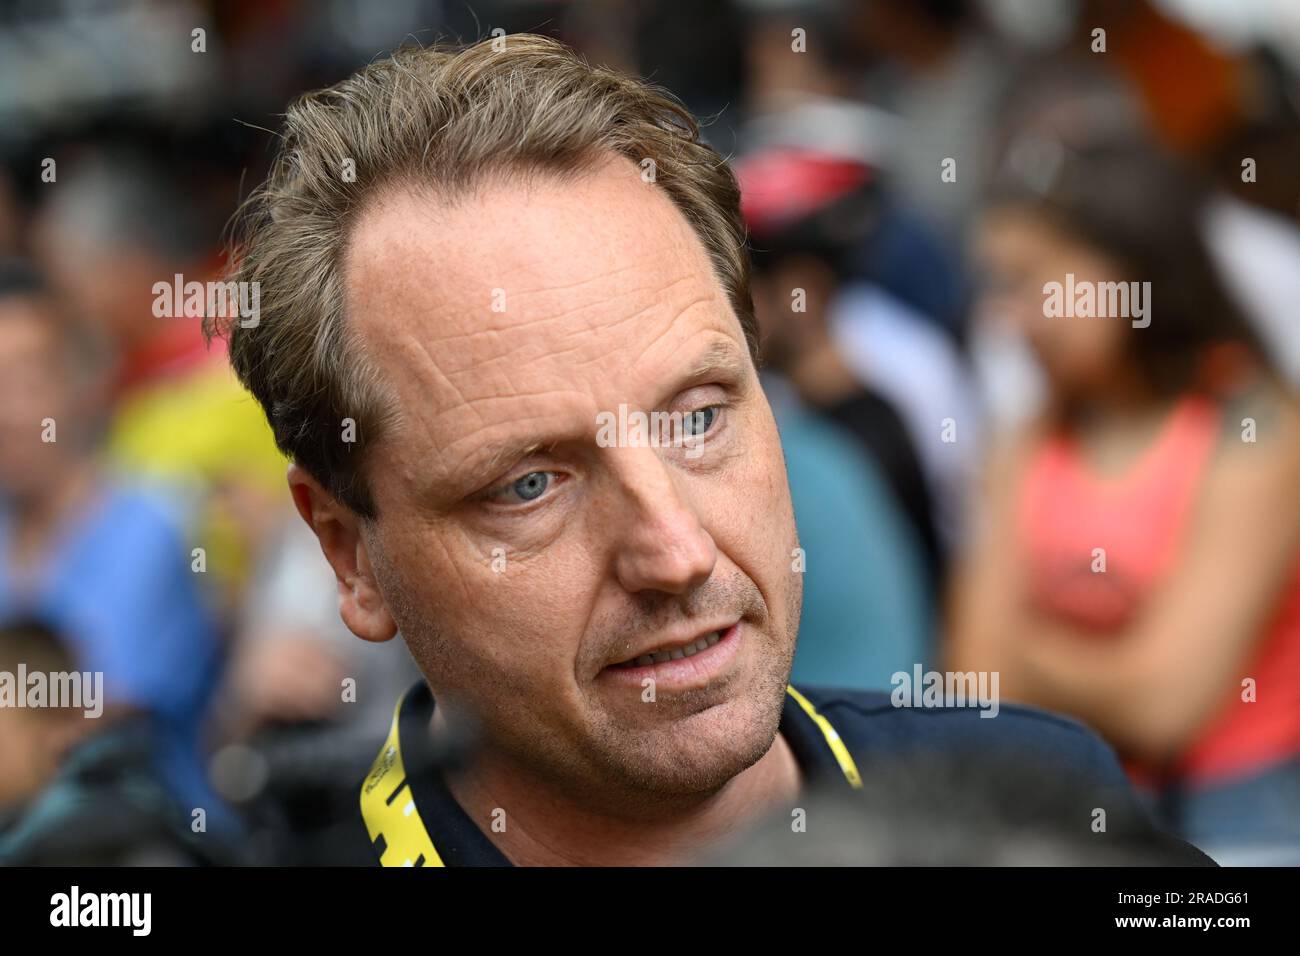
79	787
1139	566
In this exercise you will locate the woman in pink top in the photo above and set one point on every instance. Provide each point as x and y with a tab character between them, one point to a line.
1139	566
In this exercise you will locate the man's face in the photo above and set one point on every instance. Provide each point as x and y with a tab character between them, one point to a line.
523	559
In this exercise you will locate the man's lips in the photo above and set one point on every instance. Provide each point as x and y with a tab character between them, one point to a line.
670	666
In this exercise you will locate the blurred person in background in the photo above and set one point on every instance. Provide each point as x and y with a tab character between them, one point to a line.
32	740
881	369
80	788
112	227
294	654
867	609
1139	558
942	70
1059	106
299	707
104	562
803	94
795	55
805	211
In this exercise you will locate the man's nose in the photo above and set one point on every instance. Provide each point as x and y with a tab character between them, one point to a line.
664	546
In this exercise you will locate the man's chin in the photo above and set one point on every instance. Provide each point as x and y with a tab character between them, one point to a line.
697	752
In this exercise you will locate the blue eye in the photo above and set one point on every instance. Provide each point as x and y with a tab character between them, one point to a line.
532	485
698	422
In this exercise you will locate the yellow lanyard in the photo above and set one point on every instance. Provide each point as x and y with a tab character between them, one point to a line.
391	816
388	807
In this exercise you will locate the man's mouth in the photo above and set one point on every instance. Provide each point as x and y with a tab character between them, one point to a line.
676	653
677	666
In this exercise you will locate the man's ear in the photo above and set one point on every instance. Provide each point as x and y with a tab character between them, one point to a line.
339	532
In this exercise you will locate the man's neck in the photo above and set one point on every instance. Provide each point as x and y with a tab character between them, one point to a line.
543	826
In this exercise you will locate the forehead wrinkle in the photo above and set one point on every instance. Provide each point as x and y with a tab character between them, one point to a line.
492	374
473	363
434	371
546	287
458	276
405	247
681	311
645	347
592	311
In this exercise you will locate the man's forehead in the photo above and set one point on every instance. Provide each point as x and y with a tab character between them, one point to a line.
519	246
546	298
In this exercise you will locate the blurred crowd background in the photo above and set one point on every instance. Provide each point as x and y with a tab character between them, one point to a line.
1104	514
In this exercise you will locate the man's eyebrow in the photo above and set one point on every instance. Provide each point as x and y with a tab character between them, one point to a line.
504	454
496	458
718	358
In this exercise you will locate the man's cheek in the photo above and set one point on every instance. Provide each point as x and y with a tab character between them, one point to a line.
775	540
515	636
